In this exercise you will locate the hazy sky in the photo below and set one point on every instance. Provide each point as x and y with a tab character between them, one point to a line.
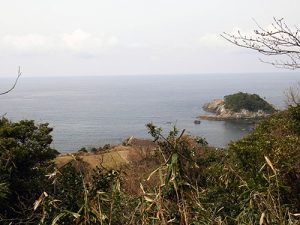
98	37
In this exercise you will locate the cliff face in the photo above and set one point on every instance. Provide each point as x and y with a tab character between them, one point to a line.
217	106
214	106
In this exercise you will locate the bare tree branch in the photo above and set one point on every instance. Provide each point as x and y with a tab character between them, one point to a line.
278	40
15	83
292	95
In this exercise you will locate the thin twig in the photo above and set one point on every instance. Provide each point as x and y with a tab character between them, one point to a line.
14	85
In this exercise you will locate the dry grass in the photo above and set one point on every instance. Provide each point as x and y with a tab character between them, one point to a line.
113	158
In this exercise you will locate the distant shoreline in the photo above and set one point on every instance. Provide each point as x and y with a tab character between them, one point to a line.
216	118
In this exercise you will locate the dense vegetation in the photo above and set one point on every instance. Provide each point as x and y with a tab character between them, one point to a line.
25	159
252	102
255	181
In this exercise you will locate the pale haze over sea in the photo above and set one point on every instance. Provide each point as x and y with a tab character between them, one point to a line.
93	111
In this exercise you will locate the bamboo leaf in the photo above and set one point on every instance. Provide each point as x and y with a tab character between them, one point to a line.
153	172
270	164
261	220
148	199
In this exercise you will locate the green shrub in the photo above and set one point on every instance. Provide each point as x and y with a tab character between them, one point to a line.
259	177
25	159
83	150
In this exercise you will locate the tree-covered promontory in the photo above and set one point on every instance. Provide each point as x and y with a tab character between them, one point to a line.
251	102
238	106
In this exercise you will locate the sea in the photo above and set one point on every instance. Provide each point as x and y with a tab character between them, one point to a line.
90	111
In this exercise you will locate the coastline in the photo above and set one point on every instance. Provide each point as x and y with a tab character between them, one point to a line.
222	113
219	118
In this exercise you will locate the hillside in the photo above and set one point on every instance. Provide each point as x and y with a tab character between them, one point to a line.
112	158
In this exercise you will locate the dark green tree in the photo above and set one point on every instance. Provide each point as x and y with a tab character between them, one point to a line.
25	159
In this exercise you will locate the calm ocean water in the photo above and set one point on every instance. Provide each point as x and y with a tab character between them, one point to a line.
92	111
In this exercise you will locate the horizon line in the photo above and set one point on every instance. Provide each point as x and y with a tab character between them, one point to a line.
157	74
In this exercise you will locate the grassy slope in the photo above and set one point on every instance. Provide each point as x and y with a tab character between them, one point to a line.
113	158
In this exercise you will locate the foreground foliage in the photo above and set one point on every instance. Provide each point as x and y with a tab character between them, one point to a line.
258	181
25	155
184	181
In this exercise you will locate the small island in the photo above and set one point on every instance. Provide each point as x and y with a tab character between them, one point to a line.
238	106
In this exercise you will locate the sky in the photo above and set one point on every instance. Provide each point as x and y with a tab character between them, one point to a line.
139	37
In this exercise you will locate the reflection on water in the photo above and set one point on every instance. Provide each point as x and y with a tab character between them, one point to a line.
239	126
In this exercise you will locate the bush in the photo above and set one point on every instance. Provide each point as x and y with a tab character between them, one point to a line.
83	150
94	150
25	159
258	178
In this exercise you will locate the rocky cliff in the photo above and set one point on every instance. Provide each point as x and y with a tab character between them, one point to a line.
217	106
